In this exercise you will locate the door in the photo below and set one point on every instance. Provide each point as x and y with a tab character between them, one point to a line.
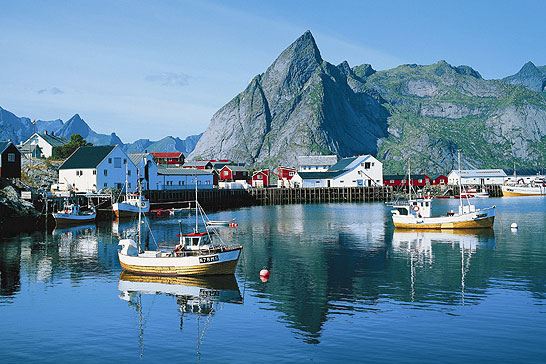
328	183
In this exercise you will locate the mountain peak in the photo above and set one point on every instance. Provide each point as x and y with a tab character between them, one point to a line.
529	76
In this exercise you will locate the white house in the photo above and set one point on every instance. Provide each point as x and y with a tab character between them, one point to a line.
477	177
147	170
361	171
45	142
316	163
93	168
184	178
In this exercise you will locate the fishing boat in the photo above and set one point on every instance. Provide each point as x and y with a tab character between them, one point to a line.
132	204
417	214
197	253
535	188
72	214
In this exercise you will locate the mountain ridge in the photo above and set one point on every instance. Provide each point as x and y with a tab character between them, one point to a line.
303	105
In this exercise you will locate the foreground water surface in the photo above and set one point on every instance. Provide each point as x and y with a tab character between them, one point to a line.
344	286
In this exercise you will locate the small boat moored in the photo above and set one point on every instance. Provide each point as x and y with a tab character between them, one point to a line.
73	215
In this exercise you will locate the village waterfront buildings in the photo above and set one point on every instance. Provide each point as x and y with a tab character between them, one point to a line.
41	145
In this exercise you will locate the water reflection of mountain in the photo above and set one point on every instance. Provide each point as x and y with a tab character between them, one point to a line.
337	261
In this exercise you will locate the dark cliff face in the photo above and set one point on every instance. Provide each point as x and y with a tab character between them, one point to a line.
300	105
303	105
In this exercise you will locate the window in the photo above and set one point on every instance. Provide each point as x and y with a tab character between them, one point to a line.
118	186
260	176
110	160
403	181
179	183
129	185
367	165
128	172
94	172
225	173
420	180
317	182
105	172
290	173
341	181
11	157
124	161
105	184
392	181
117	162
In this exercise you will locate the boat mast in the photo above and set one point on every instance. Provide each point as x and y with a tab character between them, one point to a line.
139	208
460	184
409	178
196	211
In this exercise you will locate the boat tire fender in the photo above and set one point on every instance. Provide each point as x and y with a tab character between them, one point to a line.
415	208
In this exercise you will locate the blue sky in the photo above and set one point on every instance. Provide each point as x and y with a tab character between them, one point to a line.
147	69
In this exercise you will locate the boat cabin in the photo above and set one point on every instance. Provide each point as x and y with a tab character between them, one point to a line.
196	241
419	208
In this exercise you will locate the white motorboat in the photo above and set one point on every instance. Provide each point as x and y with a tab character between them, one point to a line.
73	215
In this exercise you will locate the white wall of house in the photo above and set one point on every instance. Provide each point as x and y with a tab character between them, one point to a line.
475	178
365	171
184	181
47	149
109	173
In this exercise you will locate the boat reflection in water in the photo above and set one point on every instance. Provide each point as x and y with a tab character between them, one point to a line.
199	296
423	246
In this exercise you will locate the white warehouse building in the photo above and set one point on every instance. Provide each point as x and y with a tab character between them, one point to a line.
477	177
90	169
184	178
361	171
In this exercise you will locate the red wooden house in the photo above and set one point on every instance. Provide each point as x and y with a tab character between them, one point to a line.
233	173
171	158
285	175
401	180
439	180
260	179
10	160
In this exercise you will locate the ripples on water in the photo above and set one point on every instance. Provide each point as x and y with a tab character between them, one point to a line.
344	287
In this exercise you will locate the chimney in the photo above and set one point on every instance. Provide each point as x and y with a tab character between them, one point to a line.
45	132
52	133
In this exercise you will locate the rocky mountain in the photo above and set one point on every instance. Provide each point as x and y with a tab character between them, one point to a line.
300	105
167	144
303	105
530	76
19	129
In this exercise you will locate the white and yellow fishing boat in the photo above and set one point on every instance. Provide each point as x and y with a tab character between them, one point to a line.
197	253
531	189
417	214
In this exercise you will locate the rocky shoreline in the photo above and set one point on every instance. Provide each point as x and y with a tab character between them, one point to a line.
19	215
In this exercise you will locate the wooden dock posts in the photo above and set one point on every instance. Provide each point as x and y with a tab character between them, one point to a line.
283	196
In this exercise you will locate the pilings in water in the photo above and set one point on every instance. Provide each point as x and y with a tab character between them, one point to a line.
282	196
208	198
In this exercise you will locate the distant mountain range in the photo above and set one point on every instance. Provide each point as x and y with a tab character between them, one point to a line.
303	105
19	129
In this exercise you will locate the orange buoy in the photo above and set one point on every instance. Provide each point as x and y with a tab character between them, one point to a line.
233	224
264	279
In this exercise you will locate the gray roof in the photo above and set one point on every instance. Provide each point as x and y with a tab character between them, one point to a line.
319	175
136	158
317	160
188	164
182	171
480	173
237	168
87	157
54	140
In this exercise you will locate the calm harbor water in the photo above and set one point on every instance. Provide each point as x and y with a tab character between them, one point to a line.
344	286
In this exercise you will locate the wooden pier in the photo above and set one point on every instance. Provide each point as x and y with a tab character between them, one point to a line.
282	196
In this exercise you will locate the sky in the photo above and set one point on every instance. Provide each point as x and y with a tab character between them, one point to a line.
148	69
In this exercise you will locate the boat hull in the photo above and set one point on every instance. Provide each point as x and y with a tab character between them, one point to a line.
127	210
514	191
480	219
68	219
182	266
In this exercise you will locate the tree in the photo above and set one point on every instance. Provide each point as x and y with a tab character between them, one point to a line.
64	151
